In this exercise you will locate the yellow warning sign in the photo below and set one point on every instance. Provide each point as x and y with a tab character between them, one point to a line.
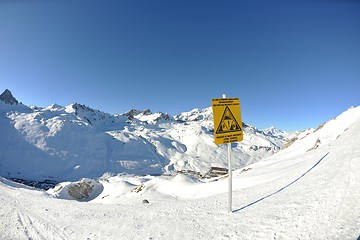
227	120
228	123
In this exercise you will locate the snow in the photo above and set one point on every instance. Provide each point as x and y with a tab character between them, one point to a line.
67	143
300	192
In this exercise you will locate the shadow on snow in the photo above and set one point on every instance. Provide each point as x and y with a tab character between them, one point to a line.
263	198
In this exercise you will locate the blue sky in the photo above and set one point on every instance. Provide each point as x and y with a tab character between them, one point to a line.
293	64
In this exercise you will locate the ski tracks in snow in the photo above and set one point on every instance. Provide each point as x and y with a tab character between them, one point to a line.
22	219
35	228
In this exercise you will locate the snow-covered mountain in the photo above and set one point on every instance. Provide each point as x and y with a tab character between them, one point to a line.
75	141
274	132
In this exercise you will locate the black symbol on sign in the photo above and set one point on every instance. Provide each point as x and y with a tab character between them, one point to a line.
228	123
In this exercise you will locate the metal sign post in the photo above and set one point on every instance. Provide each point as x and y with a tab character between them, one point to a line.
230	174
227	129
230	177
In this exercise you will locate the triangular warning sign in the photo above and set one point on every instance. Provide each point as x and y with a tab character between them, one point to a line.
228	123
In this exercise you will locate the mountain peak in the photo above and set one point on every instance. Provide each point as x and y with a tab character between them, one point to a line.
8	98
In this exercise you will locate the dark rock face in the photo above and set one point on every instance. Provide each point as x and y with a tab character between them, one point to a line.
8	98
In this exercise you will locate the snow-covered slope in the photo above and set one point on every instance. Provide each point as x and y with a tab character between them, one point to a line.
325	135
310	190
70	142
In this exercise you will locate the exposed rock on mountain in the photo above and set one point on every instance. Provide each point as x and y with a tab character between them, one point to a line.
8	98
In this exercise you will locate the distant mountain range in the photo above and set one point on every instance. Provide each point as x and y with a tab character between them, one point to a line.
70	142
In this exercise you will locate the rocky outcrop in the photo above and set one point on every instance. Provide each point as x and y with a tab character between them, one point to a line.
8	98
84	189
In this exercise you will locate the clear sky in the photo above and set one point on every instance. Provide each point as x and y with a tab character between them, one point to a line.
293	63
